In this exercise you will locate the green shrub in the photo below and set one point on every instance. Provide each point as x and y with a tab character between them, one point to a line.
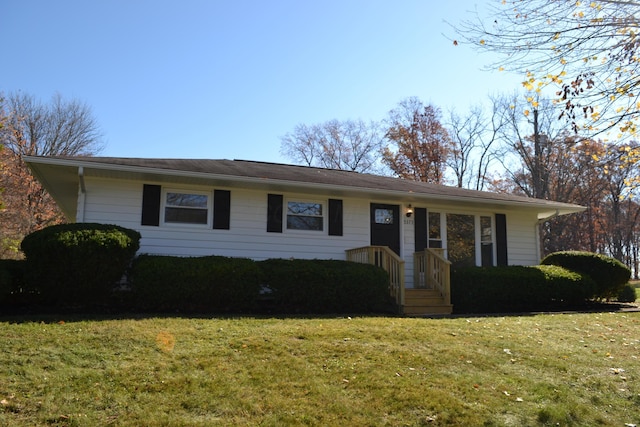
78	264
325	286
12	288
627	294
196	284
609	274
6	282
517	288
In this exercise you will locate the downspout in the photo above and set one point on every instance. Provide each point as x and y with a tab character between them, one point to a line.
81	195
537	231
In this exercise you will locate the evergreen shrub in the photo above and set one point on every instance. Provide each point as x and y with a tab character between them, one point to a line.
78	264
627	294
12	288
609	274
325	286
517	288
195	284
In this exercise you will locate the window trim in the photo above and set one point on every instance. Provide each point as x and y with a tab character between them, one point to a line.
443	212
285	213
163	206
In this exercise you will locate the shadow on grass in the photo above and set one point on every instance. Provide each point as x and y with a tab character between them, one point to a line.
50	315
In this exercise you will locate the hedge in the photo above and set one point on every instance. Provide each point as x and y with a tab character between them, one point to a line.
195	284
609	274
517	288
325	286
78	264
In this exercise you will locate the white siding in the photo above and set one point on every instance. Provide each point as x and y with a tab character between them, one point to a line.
521	239
120	202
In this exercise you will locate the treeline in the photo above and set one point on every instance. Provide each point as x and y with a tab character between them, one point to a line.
506	146
503	145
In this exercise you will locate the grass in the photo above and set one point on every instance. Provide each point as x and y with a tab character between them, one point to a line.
563	369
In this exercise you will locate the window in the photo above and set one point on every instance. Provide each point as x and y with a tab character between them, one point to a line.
461	240
186	208
384	216
305	216
435	230
486	241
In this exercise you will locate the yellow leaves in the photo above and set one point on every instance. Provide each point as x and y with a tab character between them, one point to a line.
628	127
556	36
526	113
595	157
527	85
482	42
501	69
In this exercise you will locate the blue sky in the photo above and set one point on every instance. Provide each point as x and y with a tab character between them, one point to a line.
226	79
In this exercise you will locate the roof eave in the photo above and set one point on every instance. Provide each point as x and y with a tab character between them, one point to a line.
544	209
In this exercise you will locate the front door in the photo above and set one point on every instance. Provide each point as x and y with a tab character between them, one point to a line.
385	226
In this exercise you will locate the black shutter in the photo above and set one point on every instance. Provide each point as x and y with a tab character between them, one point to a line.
501	239
150	205
221	209
274	213
335	217
420	229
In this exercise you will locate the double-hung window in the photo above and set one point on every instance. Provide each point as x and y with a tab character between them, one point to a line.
305	216
191	208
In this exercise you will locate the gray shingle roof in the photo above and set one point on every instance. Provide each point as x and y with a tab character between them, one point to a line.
273	173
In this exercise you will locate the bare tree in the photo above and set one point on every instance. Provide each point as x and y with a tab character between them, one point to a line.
532	138
420	145
348	145
65	128
475	138
59	128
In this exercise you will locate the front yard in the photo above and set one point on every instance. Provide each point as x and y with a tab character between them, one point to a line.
562	369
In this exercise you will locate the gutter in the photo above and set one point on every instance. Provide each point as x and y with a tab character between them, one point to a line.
81	195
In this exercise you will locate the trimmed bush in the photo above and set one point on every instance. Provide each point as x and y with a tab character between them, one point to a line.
325	286
196	284
517	288
627	294
609	274
78	264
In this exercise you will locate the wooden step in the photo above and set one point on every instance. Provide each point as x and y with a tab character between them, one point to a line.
427	310
425	302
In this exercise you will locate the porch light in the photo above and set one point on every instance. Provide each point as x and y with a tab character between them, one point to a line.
409	211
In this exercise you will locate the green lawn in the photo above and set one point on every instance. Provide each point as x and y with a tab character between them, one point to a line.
571	369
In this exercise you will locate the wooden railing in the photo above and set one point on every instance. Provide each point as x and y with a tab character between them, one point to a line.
432	271
383	257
